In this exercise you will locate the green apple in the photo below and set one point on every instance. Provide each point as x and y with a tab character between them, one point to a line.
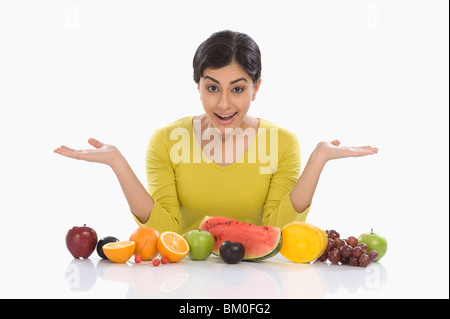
201	244
374	242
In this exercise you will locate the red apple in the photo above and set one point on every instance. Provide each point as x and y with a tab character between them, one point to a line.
81	241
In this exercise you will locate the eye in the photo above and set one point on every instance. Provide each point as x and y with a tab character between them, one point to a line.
212	88
238	90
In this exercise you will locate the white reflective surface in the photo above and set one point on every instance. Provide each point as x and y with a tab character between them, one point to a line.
274	278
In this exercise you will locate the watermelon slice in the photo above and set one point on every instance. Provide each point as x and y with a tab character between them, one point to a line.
260	242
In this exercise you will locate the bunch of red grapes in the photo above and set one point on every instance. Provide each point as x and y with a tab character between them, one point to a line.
347	252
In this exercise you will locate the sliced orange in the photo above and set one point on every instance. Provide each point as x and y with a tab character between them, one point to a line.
173	246
119	252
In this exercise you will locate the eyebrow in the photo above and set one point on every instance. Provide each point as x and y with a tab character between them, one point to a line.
232	82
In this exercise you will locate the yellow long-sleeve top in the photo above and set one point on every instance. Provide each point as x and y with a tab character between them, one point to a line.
186	185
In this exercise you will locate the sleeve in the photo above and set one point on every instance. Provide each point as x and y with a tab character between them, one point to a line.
278	209
161	186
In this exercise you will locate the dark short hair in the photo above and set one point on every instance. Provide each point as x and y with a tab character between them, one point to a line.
224	47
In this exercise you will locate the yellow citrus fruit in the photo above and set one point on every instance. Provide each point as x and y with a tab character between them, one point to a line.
119	252
145	239
173	246
303	242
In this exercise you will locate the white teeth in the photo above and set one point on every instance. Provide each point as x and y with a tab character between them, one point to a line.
230	115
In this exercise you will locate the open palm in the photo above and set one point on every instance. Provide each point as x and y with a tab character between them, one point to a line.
101	153
334	150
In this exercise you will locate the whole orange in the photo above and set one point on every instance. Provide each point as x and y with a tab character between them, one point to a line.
145	239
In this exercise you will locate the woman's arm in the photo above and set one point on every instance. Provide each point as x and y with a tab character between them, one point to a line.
303	191
139	200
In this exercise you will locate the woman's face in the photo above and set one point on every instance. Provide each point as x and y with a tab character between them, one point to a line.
226	94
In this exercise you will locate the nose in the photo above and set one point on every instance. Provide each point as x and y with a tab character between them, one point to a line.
224	102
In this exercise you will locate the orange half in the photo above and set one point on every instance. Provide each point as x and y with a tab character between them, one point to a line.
119	252
173	246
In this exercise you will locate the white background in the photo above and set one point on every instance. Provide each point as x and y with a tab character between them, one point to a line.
366	72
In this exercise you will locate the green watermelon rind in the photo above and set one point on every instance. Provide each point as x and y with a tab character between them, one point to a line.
275	251
269	254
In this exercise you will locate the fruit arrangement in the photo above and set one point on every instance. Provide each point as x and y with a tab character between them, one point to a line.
233	241
353	251
145	244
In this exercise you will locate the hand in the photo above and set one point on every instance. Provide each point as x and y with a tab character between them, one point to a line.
103	153
333	150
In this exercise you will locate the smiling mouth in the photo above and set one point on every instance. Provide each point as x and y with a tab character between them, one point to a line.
225	117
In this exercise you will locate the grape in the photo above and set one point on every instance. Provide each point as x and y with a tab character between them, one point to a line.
363	247
373	255
352	241
324	257
357	251
364	260
333	234
330	245
346	250
353	261
345	260
334	256
338	243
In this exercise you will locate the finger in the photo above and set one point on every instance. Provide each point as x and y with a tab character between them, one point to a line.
364	152
67	148
368	148
68	153
61	150
96	143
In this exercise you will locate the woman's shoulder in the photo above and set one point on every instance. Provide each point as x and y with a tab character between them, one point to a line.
161	136
283	133
182	123
286	140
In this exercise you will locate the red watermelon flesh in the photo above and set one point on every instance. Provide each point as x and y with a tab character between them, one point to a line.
260	242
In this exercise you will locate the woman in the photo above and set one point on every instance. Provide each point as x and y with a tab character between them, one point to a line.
223	162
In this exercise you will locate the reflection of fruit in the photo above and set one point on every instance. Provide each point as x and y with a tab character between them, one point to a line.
231	253
303	242
81	275
260	242
102	242
374	242
173	246
201	244
145	239
81	241
308	282
119	252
